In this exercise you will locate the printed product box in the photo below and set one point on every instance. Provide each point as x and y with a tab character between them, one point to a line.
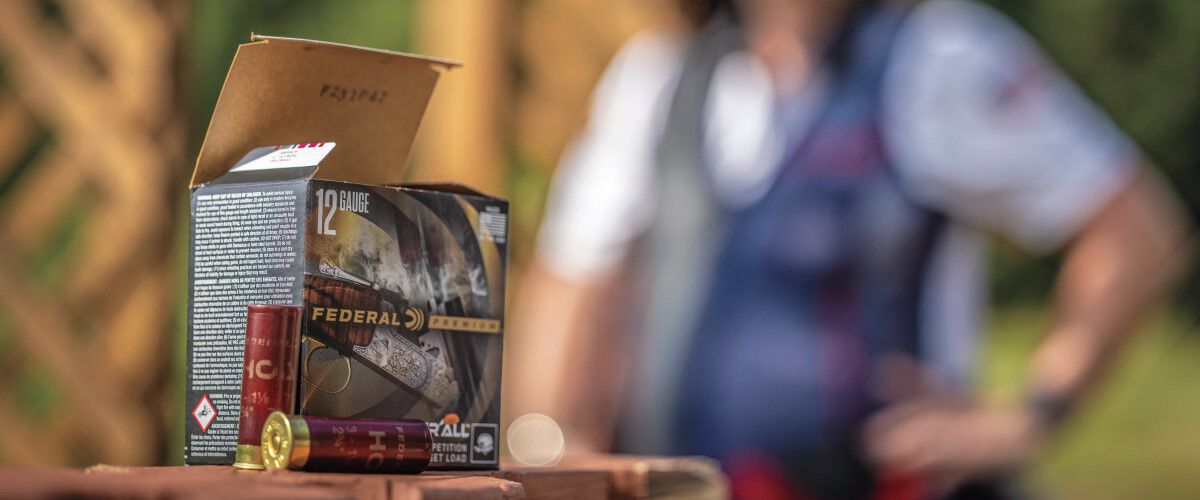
297	199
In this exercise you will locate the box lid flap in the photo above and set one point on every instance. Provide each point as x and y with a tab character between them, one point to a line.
287	91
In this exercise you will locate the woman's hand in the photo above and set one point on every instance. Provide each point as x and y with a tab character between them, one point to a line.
945	444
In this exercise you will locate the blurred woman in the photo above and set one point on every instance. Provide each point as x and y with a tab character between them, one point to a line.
766	247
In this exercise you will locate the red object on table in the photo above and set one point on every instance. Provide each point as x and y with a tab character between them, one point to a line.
268	374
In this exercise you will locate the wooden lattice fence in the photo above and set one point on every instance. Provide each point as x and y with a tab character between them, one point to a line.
91	161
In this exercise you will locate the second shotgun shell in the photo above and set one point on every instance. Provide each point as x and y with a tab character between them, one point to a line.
345	445
268	375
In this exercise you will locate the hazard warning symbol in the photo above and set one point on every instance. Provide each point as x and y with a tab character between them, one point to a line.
204	413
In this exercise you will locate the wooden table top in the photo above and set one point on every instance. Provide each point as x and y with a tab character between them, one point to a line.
579	478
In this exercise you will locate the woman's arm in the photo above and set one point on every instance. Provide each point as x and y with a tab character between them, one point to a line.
1121	262
1116	268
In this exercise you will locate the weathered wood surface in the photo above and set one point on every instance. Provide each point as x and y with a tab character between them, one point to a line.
585	478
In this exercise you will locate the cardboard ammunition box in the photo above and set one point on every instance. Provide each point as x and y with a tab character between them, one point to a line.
297	199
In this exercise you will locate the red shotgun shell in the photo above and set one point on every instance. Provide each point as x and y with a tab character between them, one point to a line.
268	374
346	445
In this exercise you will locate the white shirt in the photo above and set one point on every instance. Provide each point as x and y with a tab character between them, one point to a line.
978	123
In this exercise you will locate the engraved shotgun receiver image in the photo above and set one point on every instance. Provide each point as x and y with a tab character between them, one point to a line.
379	327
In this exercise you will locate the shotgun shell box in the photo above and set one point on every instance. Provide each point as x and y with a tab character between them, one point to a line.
298	199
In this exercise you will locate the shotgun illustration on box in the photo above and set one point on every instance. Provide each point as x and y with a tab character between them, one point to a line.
378	326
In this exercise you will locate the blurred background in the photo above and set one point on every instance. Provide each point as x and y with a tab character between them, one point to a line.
103	105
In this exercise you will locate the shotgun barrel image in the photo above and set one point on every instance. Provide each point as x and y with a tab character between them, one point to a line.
346	445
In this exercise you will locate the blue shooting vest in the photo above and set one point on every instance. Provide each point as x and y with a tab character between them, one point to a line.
812	284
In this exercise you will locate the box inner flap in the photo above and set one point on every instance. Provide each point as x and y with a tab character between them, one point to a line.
286	91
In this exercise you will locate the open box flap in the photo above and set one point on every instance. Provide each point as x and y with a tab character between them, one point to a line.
287	91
